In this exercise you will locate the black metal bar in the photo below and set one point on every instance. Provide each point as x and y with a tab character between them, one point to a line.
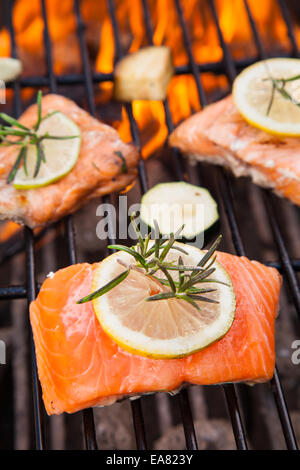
69	226
287	265
256	36
71	79
19	247
283	413
87	78
13	292
288	21
16	83
30	268
187	420
88	417
278	265
85	60
168	116
225	189
89	429
138	424
20	292
136	408
233	409
186	413
194	69
98	77
277	389
285	260
48	49
231	395
184	401
36	388
227	58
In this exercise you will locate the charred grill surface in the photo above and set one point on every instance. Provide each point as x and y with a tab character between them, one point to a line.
228	192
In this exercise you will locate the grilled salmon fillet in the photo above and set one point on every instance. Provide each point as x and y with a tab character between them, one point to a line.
98	170
220	135
80	366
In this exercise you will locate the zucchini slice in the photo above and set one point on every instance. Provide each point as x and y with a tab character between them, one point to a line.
178	203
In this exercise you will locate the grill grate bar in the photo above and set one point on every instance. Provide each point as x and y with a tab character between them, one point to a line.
48	49
286	262
288	21
30	268
227	59
187	420
138	424
36	388
276	384
283	413
230	394
16	83
85	60
13	292
98	77
88	415
87	78
257	39
185	408
88	420
189	49
136	405
20	291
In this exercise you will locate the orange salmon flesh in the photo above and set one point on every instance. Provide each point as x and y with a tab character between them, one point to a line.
220	135
80	366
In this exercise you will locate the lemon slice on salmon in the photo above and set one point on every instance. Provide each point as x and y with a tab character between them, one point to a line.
60	155
271	109
162	329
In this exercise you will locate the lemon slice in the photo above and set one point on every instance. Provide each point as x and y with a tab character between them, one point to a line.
61	155
162	329
252	91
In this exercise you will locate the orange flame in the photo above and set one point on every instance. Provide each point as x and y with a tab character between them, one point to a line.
182	92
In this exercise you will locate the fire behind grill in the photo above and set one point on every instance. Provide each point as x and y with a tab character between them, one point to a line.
289	267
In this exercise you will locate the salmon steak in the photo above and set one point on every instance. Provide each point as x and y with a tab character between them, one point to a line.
80	366
220	135
99	169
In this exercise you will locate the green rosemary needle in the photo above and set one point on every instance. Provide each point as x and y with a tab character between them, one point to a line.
24	137
278	84
149	261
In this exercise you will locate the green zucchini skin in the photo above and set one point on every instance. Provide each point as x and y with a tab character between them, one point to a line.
182	193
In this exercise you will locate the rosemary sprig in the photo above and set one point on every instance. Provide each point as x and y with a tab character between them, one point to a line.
24	137
149	261
278	84
110	285
124	167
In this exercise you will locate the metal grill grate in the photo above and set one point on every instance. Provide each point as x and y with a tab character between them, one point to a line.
286	265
